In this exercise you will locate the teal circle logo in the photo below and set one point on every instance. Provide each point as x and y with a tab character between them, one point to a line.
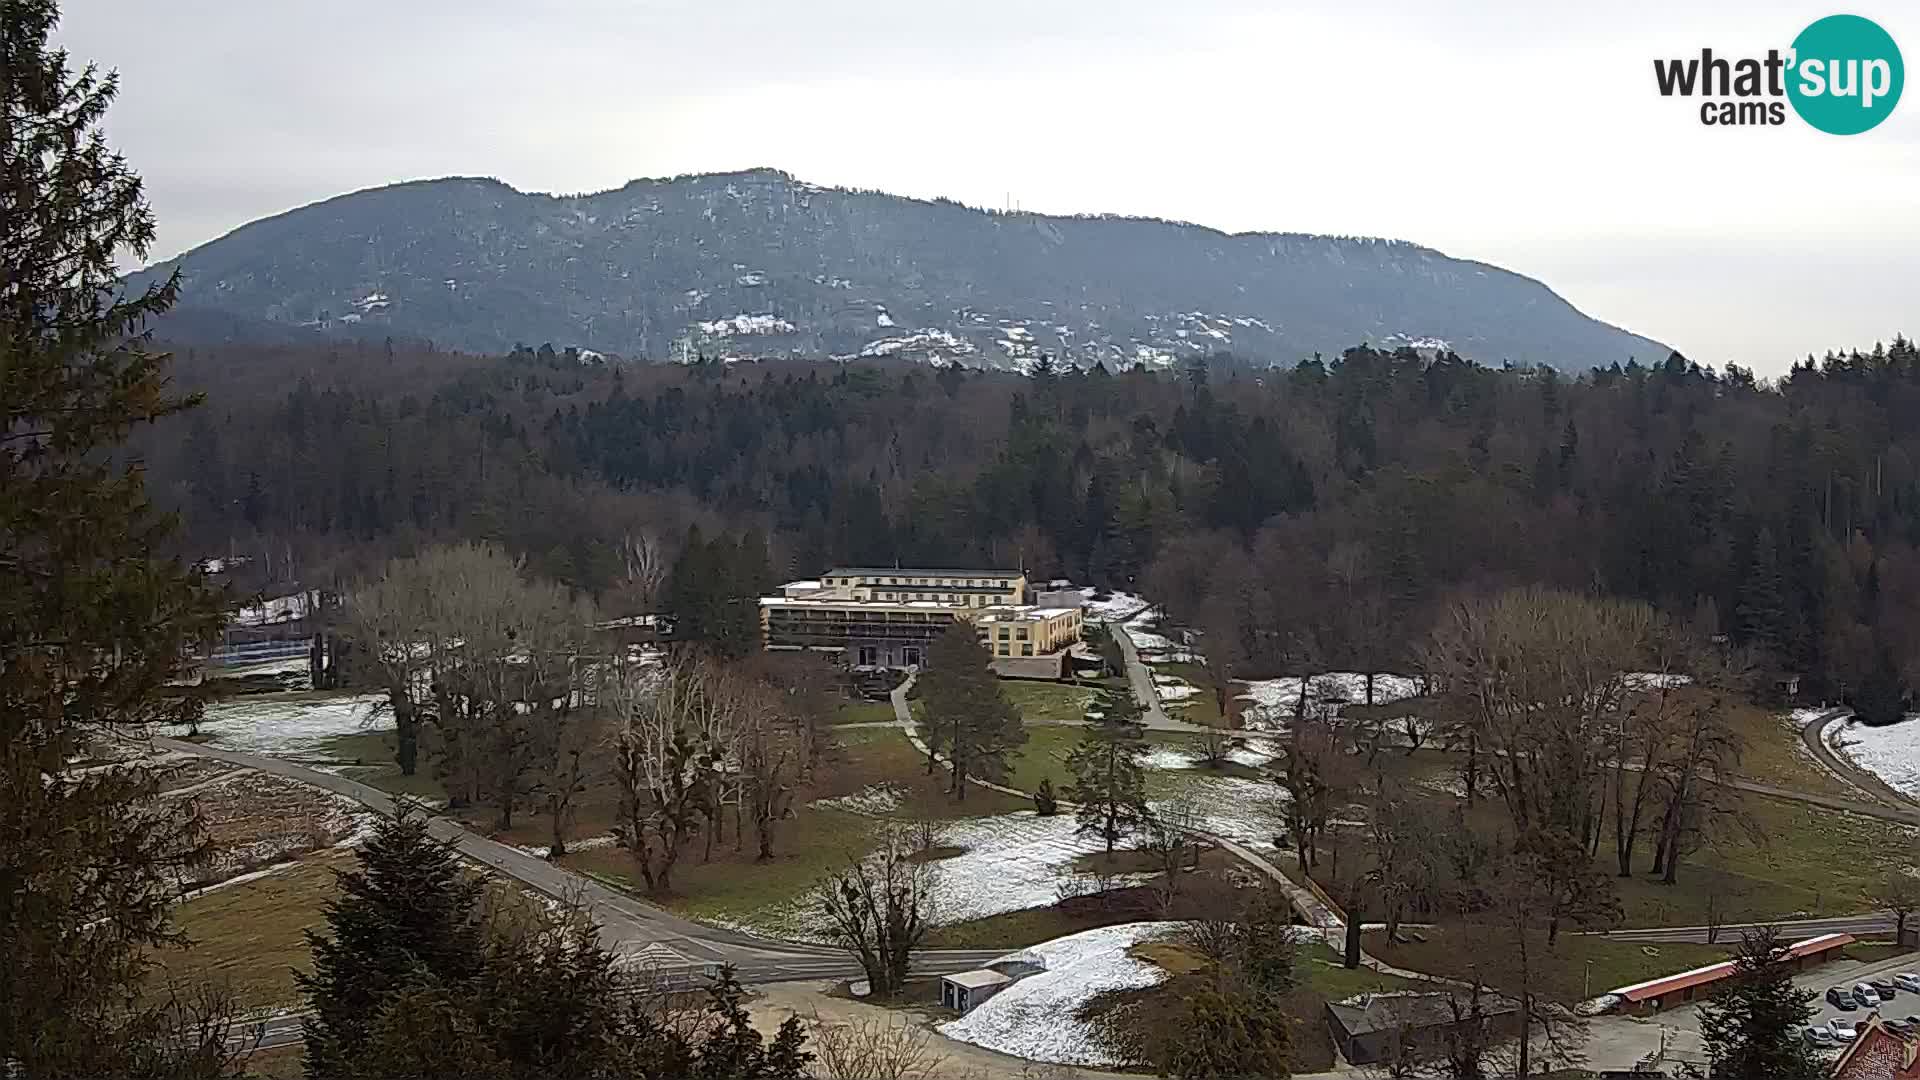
1846	75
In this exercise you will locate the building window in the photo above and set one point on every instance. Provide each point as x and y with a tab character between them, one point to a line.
1026	650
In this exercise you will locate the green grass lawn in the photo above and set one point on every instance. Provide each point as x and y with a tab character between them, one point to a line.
865	712
1044	755
1048	702
1774	755
733	887
1560	972
1804	859
1796	858
248	936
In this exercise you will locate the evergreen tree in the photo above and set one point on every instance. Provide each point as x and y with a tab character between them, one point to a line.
1109	779
1226	1035
407	913
1761	613
419	977
1752	1028
1882	697
93	626
968	715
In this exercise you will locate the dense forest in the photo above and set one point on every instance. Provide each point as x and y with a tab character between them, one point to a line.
1308	515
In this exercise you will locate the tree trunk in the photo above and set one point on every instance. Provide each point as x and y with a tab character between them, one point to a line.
1472	777
406	734
1356	912
557	812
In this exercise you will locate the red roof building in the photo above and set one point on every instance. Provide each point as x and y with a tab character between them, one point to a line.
1878	1054
1668	991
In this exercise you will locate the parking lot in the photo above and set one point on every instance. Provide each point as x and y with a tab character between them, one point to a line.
1684	1021
1845	973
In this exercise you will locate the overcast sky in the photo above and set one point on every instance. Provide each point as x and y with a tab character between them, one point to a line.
1521	133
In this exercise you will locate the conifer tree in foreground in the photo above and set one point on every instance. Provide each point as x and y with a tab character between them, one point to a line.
1752	1028
92	624
1109	786
424	973
968	716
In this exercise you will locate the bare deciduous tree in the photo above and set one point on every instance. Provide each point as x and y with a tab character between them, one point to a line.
878	910
873	1048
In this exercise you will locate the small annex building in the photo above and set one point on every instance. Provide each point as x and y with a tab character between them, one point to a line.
1407	1025
966	990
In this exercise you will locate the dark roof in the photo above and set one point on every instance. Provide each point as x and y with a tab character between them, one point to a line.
1371	1013
899	571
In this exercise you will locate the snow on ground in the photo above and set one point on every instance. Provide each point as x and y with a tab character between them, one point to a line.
1117	607
1012	862
1891	752
586	844
1170	757
292	665
1174	690
1273	699
877	800
1247	811
284	728
1144	639
276	609
1036	1018
1256	754
1655	680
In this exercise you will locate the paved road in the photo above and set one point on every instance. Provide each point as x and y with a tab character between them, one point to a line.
1872	922
1814	735
637	932
1141	679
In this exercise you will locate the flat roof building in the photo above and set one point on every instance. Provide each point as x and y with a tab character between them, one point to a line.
877	617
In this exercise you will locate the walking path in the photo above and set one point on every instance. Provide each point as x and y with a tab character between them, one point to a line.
1141	678
1307	903
630	926
1814	735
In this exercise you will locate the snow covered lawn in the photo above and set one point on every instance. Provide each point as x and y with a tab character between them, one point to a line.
1116	608
1273	699
1891	752
1009	863
290	729
1037	1017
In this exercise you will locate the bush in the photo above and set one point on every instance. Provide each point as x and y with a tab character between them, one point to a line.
1045	803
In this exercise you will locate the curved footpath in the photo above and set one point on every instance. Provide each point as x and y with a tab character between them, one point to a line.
1814	735
1141	678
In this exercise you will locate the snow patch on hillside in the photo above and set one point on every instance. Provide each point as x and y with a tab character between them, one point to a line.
1036	1018
937	342
1892	752
745	325
290	729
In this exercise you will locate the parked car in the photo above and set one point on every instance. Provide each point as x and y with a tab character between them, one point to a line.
1866	996
1898	1027
1840	998
1907	981
1884	987
1843	1030
1819	1036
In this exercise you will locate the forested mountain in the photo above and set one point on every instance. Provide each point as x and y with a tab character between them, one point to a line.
757	264
1328	508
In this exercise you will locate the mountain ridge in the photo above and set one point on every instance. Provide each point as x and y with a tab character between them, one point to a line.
757	263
